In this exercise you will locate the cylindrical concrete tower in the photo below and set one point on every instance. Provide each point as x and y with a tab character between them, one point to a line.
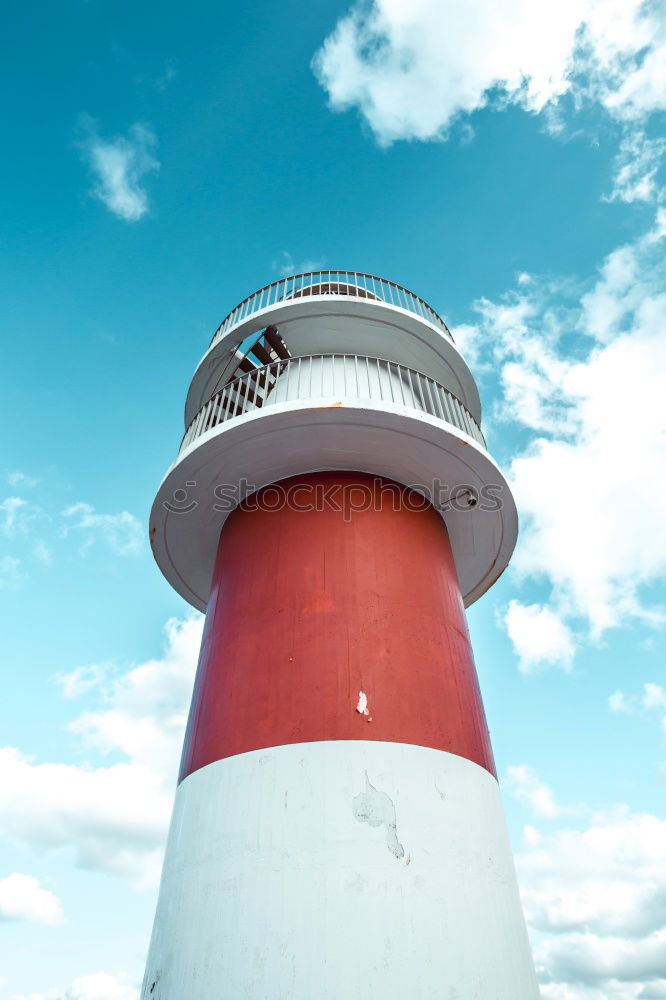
338	832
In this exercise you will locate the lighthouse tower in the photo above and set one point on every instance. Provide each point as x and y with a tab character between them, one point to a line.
337	832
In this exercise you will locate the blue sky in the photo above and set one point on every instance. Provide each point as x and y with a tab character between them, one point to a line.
504	161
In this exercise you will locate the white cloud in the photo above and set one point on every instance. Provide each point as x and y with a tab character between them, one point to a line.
96	986
285	265
22	523
15	516
584	375
608	966
618	702
143	712
626	58
637	165
17	524
590	957
595	899
114	817
23	898
119	167
81	680
122	532
539	636
17	479
42	552
612	990
654	696
10	573
526	787
652	699
412	69
466	337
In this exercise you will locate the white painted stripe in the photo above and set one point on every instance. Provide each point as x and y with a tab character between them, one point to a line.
339	871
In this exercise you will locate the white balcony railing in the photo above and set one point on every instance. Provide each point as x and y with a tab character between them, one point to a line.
334	283
342	376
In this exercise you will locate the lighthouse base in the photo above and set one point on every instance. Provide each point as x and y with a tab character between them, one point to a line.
339	870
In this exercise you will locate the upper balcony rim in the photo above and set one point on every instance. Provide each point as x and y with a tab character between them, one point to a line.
411	303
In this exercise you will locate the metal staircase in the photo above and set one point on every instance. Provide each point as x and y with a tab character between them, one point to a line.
266	349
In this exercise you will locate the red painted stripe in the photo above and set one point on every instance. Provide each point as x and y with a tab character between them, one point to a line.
309	607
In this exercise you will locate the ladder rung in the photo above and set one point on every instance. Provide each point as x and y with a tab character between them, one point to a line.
261	354
272	336
246	365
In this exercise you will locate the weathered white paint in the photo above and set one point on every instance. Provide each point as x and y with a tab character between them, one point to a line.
362	706
294	437
339	871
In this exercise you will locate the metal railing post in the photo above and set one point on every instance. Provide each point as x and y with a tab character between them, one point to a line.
234	399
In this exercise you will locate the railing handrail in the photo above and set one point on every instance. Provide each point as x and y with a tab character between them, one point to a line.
451	409
412	303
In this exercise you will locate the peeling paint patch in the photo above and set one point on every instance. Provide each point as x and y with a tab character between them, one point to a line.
362	707
377	809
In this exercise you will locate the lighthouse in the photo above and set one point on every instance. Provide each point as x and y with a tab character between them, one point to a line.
338	832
